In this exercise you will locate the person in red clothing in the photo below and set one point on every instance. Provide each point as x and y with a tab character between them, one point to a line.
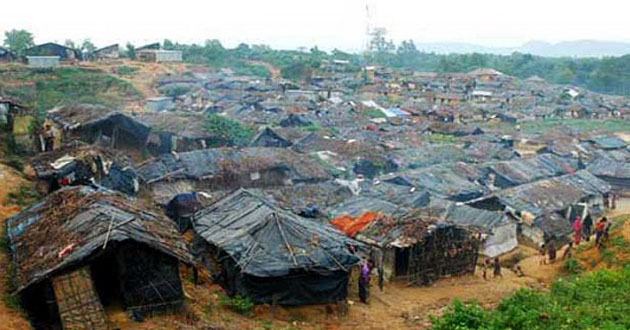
577	230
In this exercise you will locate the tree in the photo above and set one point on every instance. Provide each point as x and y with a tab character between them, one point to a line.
168	45
18	40
131	51
87	46
379	44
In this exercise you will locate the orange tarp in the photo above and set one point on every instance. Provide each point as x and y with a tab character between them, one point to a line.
351	225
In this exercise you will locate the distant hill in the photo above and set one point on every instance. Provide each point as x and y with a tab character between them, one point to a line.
577	48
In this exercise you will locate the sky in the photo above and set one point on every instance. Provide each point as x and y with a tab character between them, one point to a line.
329	24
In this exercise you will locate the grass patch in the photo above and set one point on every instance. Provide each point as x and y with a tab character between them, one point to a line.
45	89
442	139
573	267
599	300
25	195
374	113
312	128
239	304
125	70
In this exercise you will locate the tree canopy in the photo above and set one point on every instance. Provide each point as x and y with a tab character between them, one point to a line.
18	40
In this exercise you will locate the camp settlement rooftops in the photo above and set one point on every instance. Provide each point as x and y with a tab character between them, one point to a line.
73	224
251	162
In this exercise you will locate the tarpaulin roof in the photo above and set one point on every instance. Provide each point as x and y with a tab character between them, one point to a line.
359	205
553	194
87	116
608	142
71	224
520	171
353	225
210	162
464	215
266	241
609	168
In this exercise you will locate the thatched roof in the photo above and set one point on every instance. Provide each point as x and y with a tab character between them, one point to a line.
71	225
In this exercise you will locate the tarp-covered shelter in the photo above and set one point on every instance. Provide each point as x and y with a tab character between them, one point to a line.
21	121
225	168
270	255
534	202
500	230
520	171
415	247
53	49
270	139
81	163
99	124
180	132
616	173
119	252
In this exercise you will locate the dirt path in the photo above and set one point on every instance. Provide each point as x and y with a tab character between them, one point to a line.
10	319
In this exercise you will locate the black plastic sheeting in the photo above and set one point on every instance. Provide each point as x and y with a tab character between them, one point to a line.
301	288
121	179
266	241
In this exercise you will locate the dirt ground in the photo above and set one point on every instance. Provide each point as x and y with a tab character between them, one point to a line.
9	318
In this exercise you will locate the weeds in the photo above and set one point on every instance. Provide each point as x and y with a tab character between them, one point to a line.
573	267
240	304
25	195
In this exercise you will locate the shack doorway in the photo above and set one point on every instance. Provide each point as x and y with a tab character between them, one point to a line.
402	262
105	275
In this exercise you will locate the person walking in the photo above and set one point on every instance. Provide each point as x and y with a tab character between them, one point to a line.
364	282
552	251
497	268
577	231
587	227
599	231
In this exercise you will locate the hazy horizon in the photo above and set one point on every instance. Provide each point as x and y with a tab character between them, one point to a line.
325	23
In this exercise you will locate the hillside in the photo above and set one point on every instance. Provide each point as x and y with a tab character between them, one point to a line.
45	89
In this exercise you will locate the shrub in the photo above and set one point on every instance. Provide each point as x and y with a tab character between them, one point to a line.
25	195
240	304
125	70
462	316
228	131
573	267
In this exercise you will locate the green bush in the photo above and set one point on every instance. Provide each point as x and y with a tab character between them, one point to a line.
573	267
462	316
599	300
125	70
240	304
24	196
228	131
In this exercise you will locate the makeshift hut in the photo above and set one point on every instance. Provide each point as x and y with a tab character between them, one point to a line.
270	139
415	248
226	168
270	255
80	250
53	49
533	204
98	124
616	173
109	52
21	121
78	163
180	132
